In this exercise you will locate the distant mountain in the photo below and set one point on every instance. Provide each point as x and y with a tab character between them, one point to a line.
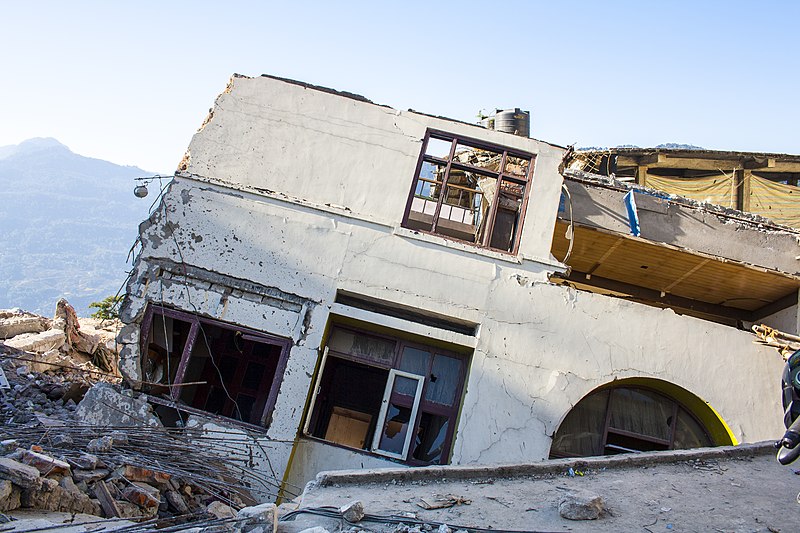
679	146
668	146
67	223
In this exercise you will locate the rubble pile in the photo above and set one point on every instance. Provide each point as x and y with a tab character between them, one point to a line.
134	473
73	440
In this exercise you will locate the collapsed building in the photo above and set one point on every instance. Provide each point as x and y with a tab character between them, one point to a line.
352	286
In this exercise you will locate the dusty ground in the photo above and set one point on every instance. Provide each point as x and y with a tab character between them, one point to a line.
725	490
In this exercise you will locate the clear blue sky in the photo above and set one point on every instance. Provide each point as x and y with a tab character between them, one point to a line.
131	81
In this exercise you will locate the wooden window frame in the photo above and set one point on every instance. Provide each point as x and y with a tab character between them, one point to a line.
196	323
421	406
501	176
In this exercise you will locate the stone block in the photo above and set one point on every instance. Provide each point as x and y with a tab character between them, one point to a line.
100	444
352	512
22	475
175	501
581	505
56	498
88	476
136	473
220	510
141	496
85	461
9	496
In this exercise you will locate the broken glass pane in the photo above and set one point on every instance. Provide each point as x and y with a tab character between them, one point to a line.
429	443
395	428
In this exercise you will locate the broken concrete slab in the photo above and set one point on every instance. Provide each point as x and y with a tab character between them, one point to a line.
38	342
20	324
136	473
104	405
33	520
264	516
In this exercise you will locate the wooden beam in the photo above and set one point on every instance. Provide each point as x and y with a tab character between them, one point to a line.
778	305
641	175
751	164
651	159
738	179
668	300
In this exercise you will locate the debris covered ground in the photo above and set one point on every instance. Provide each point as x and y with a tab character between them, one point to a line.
730	489
74	441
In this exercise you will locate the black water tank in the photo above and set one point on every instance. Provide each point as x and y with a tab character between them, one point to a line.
513	121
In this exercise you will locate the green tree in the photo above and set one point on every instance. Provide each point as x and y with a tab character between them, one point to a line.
107	308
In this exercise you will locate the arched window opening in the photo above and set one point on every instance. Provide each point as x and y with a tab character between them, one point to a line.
626	419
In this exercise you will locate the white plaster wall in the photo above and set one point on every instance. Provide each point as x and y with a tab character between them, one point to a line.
269	135
304	191
785	320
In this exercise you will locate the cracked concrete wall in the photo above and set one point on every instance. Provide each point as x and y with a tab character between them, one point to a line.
291	194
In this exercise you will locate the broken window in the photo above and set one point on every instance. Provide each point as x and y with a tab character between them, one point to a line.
627	419
212	367
387	396
470	191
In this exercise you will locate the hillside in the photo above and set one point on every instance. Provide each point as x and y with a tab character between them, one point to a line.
67	222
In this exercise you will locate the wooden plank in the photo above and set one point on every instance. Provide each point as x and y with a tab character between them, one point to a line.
668	300
107	501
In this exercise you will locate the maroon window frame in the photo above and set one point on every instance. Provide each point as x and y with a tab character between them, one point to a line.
266	397
508	183
426	406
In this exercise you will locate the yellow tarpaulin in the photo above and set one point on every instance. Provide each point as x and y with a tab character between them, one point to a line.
719	190
777	201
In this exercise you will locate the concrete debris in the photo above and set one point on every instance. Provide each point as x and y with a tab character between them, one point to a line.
220	510
65	336
352	512
315	529
13	323
44	463
101	444
581	505
258	518
107	405
22	475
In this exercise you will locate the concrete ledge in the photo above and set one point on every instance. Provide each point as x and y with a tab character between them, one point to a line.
556	466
